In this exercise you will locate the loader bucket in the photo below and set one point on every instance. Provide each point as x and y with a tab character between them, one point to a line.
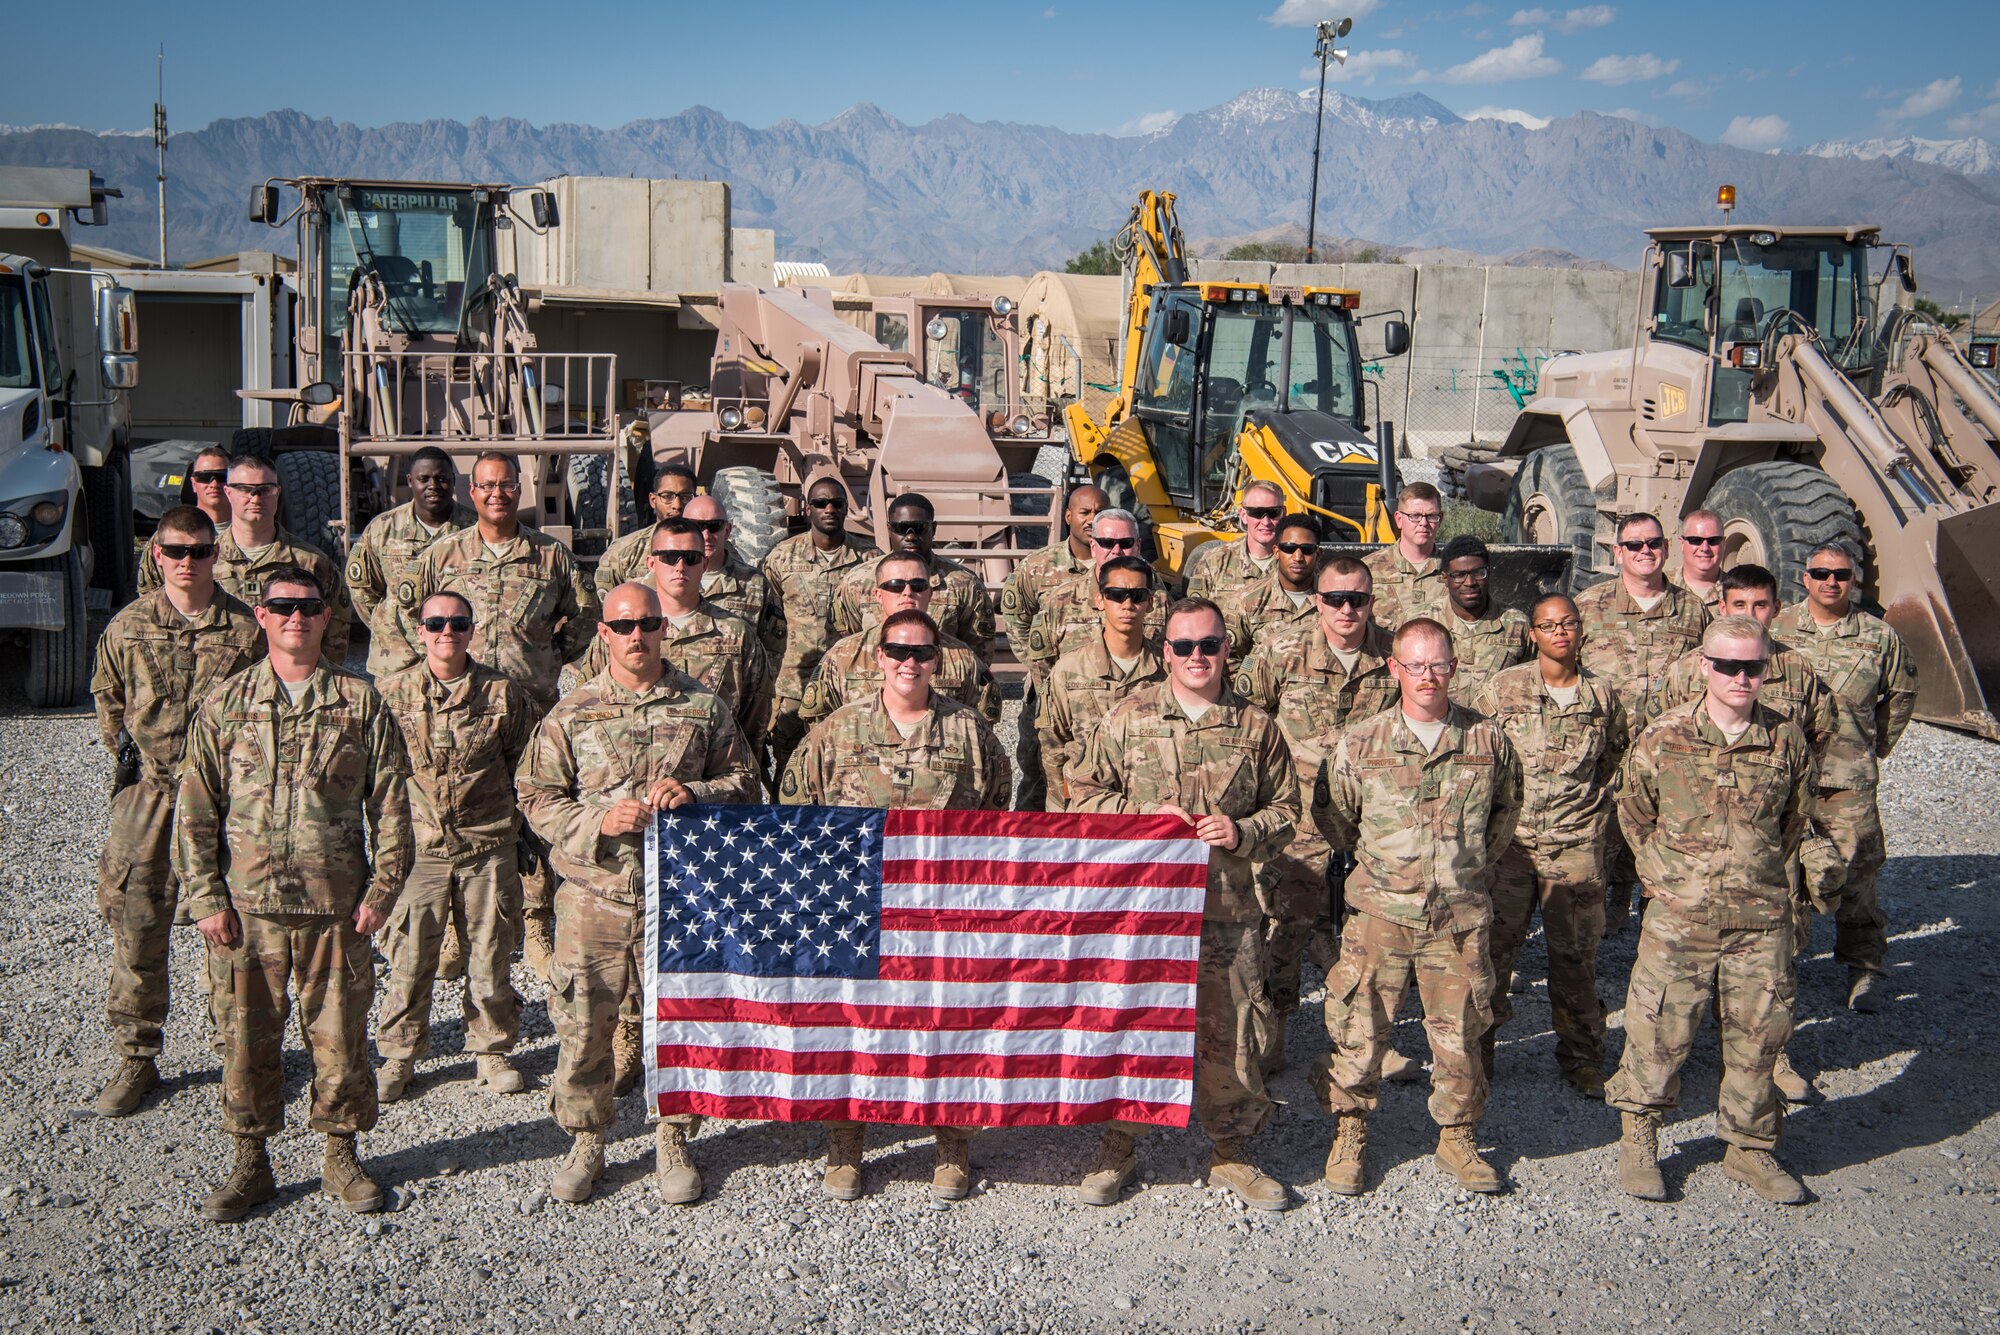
1520	572
1950	619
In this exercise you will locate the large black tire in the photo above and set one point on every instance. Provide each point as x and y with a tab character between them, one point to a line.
107	496
1116	484
311	509
589	476
59	660
1774	514
1031	536
756	511
1551	504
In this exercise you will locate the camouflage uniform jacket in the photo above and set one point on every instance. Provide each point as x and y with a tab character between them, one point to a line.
154	668
1067	621
531	607
604	742
243	579
465	739
1082	688
388	548
848	671
1791	689
1712	600
1426	829
1406	590
1714	824
1050	570
1632	648
1297	680
1569	754
1483	647
715	647
857	757
741	588
959	605
1233	762
1223	568
1263	610
803	581
1864	663
274	798
624	561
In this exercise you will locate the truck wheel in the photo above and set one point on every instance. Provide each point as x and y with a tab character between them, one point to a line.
756	509
1551	504
1116	484
59	660
1774	513
107	496
1031	537
312	499
588	474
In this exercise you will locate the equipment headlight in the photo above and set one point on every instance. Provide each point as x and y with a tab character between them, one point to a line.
12	531
936	329
1021	426
731	418
1003	306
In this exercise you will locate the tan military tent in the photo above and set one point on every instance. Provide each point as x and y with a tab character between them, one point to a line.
1070	323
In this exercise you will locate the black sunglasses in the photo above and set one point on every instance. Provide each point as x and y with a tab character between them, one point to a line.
438	625
707	525
909	653
1642	544
1263	512
1702	542
1823	573
1116	544
910	528
1345	598
254	488
827	502
1738	667
916	585
1208	646
677	556
1294	548
181	551
208	477
1122	593
626	625
285	608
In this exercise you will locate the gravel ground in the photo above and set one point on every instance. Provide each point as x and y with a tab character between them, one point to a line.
98	1222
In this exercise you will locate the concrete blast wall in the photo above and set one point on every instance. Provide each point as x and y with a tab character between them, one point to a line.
625	235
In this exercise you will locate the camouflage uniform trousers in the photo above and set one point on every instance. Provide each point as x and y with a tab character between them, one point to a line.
1568	885
1455	983
1232	1030
1682	970
1852	821
333	968
480	898
1032	793
137	893
1292	891
595	979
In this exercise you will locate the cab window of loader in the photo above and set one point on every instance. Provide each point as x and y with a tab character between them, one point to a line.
1679	313
1824	282
17	355
429	246
893	332
970	361
1164	395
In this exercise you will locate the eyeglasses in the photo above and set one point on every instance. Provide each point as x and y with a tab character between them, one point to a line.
460	624
1115	544
626	625
678	556
1420	516
677	497
254	488
909	653
184	551
1208	646
502	488
1125	593
209	477
1702	542
910	528
1642	544
707	525
286	608
1824	574
1572	625
1294	548
827	502
1738	667
1443	669
1263	512
1345	598
1466	576
919	584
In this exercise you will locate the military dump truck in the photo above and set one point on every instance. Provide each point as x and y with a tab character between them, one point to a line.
412	331
1782	377
67	345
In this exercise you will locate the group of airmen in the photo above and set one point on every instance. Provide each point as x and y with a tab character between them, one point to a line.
1393	772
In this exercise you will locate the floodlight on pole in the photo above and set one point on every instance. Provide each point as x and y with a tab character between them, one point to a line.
1327	34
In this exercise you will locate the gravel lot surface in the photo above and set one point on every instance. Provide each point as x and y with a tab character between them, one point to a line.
98	1222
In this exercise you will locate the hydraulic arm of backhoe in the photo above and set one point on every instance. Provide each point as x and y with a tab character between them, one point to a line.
1150	251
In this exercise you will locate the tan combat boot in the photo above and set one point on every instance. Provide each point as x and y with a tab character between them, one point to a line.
128	1084
1639	1157
499	1074
1458	1154
451	952
625	1057
250	1184
842	1179
538	941
393	1080
580	1171
1586	1080
1346	1162
1117	1165
342	1177
951	1177
675	1177
1760	1171
1795	1087
1400	1069
1229	1166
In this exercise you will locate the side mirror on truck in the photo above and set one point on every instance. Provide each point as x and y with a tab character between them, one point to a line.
264	203
1395	338
542	205
117	320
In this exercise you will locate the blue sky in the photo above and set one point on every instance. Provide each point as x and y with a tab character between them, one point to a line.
1769	75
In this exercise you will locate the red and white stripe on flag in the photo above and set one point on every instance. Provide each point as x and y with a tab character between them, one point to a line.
1035	969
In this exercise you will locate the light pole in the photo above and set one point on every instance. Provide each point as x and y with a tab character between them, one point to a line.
1329	33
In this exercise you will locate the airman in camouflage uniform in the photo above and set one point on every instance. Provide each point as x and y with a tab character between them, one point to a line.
1715	799
1427	795
1087	682
295	774
638	738
1060	564
390	546
1281	601
1194	748
1701	558
1569	729
674	485
804	573
156	661
1068	618
1409	578
253	545
728	580
848	670
465	727
208	484
1864	662
960	608
1484	638
1222	569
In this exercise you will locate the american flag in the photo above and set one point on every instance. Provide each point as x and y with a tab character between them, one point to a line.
936	968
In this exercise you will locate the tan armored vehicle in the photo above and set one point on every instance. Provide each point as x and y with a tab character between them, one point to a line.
1781	377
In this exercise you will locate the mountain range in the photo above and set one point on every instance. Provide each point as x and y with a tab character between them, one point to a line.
866	191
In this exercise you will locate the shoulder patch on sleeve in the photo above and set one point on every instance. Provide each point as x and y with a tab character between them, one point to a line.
406	593
354	570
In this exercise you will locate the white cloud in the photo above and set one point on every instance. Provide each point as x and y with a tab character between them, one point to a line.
1365	65
1511	115
1531	18
1932	98
1522	58
1693	90
1985	121
1049	13
1615	71
1590	16
1151	123
1758	133
1306	13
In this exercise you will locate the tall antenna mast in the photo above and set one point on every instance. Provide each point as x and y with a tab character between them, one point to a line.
160	146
